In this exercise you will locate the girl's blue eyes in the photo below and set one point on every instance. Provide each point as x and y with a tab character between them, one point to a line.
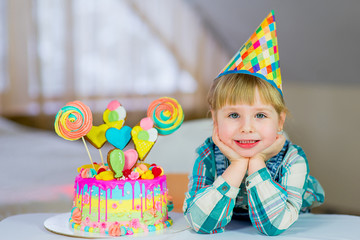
233	115
258	115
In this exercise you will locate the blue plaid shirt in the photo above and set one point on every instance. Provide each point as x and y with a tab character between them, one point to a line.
272	197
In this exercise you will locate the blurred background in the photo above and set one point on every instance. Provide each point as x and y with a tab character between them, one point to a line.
53	52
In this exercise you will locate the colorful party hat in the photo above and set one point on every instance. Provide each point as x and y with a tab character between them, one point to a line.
259	56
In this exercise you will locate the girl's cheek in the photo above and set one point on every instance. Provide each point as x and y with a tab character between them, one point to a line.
224	136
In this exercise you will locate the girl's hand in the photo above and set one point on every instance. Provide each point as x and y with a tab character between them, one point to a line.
235	173
272	150
232	155
257	162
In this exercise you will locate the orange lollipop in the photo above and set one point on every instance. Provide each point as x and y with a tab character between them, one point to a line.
73	121
167	115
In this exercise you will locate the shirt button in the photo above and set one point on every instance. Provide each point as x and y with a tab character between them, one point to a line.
247	183
224	188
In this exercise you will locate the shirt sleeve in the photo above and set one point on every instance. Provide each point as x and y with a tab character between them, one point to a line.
209	202
274	207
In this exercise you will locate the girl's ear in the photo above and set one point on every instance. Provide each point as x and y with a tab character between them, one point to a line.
282	118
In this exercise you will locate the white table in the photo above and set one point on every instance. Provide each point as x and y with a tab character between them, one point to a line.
309	226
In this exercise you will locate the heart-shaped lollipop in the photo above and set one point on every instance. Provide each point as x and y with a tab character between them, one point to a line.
96	136
119	138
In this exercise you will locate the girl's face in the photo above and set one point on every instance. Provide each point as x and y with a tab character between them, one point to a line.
248	129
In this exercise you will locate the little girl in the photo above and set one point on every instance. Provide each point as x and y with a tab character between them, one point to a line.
247	169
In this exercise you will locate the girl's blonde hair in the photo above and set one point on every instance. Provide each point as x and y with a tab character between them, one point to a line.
237	88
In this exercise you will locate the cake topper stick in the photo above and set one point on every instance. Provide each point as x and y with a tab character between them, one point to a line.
101	156
92	163
96	137
74	121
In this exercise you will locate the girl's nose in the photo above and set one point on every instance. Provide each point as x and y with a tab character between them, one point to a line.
247	126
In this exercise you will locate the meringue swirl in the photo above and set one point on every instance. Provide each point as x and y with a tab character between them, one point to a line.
167	115
114	230
76	215
73	121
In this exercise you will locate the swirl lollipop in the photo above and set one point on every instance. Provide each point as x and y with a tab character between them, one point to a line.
73	122
167	115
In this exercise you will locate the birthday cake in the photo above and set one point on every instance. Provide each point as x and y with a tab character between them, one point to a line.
124	195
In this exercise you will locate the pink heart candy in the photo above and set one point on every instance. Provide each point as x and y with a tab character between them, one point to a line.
131	156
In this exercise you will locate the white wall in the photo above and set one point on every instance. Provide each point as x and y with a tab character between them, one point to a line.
325	122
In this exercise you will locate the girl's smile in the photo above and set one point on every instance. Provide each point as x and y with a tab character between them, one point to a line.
247	143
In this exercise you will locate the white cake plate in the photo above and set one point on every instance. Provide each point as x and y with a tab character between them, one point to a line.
60	224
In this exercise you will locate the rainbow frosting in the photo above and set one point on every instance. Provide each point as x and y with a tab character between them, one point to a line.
120	207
